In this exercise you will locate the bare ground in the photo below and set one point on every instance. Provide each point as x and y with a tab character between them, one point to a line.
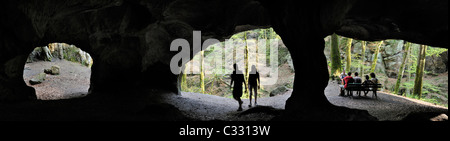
74	82
385	107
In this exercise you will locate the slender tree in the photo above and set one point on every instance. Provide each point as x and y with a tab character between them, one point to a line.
409	62
349	53
246	61
419	72
335	56
183	79
402	67
202	72
265	40
375	59
363	55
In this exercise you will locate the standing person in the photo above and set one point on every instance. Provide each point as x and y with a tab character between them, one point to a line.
238	78
253	84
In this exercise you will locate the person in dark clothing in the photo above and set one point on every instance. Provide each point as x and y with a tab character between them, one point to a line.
238	78
374	78
367	81
253	85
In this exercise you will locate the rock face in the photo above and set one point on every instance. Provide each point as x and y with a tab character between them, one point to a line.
40	53
392	58
437	64
60	51
133	37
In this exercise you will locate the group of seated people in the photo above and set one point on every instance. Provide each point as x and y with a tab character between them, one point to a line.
345	80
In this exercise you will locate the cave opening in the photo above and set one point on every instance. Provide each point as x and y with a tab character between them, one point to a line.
58	71
392	61
262	48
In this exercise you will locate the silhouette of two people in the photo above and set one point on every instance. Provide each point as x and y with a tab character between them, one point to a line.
238	78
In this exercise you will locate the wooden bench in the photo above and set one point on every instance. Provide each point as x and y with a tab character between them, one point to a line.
366	88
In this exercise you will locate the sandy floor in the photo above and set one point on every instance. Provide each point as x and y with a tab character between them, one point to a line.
73	80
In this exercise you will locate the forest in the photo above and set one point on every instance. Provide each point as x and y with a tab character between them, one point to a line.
403	68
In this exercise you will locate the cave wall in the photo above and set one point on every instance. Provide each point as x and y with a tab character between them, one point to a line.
129	39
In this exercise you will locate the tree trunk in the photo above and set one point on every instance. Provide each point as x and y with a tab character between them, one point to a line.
256	52
202	74
183	79
335	56
409	62
349	54
363	55
419	72
246	62
265	40
402	67
375	59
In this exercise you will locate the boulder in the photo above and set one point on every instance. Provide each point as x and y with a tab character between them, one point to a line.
38	79
437	64
54	70
278	91
34	55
